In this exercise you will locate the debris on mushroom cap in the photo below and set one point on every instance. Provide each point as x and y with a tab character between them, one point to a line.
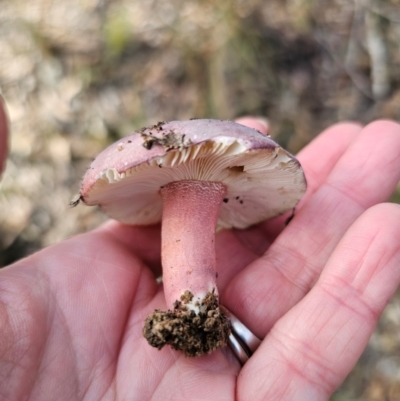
262	179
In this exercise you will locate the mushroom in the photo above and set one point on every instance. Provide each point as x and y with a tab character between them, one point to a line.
193	176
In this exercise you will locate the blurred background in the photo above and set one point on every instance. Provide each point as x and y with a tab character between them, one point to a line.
79	74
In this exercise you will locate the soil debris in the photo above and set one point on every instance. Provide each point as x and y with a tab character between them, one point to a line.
169	141
184	330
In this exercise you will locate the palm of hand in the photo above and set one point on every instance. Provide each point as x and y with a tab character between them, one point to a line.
81	306
72	315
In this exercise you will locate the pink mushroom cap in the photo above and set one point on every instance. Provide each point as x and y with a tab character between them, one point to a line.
262	179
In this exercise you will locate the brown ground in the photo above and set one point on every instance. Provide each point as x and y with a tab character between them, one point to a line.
79	74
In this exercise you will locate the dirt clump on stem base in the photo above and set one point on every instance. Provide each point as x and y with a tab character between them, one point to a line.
184	330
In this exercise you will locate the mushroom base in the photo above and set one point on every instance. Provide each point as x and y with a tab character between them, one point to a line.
184	330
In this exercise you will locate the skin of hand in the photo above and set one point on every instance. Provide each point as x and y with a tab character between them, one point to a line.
3	135
71	315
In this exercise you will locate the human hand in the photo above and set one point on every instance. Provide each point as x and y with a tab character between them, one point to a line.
72	315
3	136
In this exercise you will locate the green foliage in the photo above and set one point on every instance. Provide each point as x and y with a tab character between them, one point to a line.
117	33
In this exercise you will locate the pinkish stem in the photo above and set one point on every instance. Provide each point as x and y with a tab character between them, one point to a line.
190	214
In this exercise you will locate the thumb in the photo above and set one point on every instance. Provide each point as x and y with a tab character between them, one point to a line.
3	135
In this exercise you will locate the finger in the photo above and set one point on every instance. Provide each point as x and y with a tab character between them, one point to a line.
365	175
259	123
3	135
320	156
235	250
318	159
310	351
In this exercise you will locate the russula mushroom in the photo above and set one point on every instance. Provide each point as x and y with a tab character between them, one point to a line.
193	176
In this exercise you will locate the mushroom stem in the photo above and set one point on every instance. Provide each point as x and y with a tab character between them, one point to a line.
190	214
194	322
